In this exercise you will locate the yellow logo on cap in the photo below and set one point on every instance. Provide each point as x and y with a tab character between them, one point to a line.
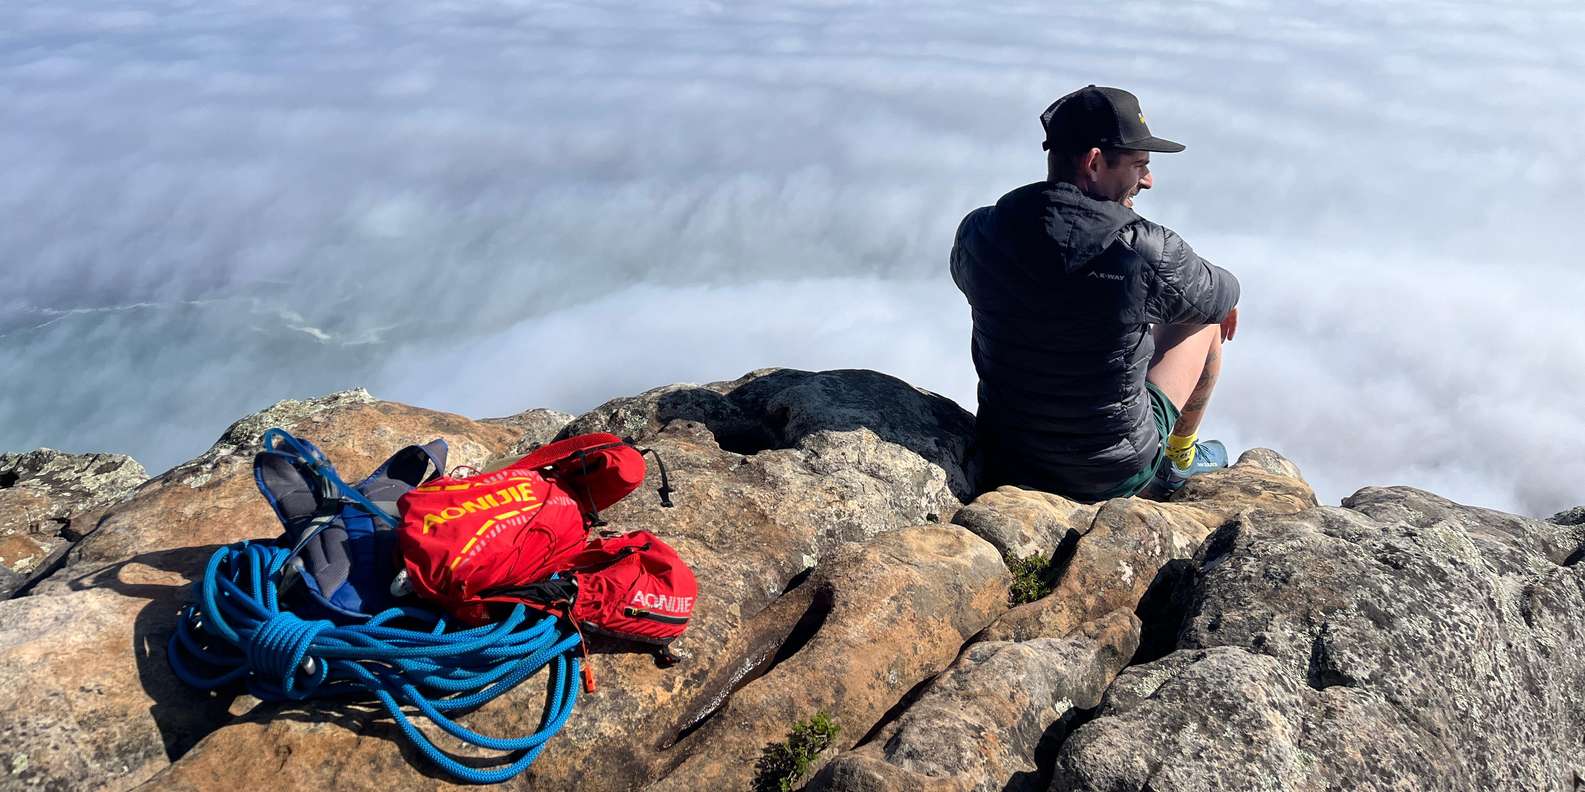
1141	118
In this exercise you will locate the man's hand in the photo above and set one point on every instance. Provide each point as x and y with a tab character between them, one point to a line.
1230	325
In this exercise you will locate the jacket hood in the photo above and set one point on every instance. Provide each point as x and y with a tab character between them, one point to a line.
1058	219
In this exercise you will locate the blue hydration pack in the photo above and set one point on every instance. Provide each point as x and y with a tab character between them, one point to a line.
344	553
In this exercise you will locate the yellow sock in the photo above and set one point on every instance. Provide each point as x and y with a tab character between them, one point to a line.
1180	450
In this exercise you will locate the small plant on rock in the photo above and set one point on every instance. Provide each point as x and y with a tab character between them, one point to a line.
1031	578
783	765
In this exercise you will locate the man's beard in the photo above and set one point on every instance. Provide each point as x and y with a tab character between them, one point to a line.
1127	198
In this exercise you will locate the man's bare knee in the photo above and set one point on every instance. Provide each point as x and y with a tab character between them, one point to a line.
1182	359
1170	337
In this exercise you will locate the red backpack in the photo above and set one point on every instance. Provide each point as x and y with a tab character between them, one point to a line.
463	537
521	535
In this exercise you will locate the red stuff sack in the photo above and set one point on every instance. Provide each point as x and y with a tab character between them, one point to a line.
632	586
597	469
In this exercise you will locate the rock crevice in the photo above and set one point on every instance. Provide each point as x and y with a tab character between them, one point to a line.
44	495
1239	636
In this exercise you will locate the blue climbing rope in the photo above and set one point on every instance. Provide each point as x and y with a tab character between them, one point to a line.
237	632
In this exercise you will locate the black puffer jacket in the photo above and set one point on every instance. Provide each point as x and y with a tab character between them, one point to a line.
1064	289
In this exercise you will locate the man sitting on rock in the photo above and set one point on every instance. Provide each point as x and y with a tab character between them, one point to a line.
1097	333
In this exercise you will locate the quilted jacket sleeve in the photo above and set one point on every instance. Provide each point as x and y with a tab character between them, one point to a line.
1181	287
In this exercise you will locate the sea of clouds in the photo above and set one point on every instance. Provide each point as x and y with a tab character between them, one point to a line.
490	205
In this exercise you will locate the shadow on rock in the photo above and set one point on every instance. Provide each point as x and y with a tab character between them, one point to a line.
781	408
182	715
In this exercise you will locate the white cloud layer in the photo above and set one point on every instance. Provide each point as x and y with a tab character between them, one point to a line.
212	206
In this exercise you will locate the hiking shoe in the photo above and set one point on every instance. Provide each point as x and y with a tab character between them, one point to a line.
1209	455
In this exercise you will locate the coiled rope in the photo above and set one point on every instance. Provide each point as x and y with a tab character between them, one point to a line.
238	632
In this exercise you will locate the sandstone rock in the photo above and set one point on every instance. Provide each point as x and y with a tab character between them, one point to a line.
645	415
979	725
536	427
1260	482
109	716
853	772
1241	733
749	525
897	611
88	702
40	493
1574	516
1114	563
1116	558
779	408
213	500
931	426
1023	523
12	582
1403	642
240	441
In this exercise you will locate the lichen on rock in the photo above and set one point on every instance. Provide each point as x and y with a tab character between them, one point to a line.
1237	636
41	492
1401	641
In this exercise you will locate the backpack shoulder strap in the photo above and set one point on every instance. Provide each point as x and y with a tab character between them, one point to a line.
312	466
292	483
406	469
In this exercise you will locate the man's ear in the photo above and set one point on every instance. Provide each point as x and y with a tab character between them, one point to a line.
1090	166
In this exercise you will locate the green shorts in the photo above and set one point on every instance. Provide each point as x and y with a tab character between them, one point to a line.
1166	415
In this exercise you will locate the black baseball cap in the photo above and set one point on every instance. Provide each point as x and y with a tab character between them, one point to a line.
1102	118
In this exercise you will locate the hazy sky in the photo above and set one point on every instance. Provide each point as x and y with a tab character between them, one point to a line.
490	205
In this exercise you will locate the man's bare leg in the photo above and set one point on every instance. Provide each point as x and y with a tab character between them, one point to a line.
1187	362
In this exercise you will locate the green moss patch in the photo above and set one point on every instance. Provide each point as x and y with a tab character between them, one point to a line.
1033	578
